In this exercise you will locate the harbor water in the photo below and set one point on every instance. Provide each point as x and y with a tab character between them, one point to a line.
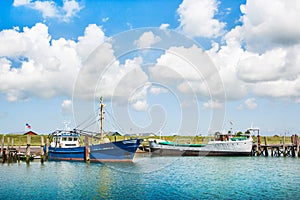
155	178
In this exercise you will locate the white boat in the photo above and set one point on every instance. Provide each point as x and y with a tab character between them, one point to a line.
222	145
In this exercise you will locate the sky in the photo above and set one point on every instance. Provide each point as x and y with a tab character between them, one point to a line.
169	67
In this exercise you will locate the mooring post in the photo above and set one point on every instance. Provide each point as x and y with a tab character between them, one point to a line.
297	145
258	145
3	153
2	145
293	145
19	149
47	145
283	146
8	150
266	147
28	149
87	153
42	149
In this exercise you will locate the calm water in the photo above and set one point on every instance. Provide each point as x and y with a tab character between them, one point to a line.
155	178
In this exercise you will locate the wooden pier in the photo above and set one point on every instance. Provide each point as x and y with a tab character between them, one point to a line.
277	150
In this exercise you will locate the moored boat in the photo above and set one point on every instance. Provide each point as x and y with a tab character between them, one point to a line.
222	145
65	145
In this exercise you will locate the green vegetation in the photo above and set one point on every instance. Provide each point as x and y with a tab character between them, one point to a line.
36	139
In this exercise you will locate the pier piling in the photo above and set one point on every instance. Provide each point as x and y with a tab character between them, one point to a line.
28	149
42	149
87	153
47	145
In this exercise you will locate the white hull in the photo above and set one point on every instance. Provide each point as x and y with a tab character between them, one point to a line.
213	148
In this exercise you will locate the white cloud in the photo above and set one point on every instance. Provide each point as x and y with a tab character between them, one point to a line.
70	8
190	70
45	68
213	105
250	103
146	40
157	90
93	37
265	26
50	9
138	98
140	105
21	2
66	107
105	19
164	26
197	18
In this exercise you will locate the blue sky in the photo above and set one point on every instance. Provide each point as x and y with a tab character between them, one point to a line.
177	67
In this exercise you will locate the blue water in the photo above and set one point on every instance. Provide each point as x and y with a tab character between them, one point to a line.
155	178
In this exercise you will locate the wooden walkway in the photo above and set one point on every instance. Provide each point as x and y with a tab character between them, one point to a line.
277	150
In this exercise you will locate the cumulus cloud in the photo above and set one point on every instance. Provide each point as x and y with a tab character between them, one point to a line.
196	18
164	26
50	9
261	56
190	70
250	103
265	26
147	39
213	105
66	107
157	90
138	98
32	64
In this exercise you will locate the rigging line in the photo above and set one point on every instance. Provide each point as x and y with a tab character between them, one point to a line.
112	125
116	123
91	116
92	123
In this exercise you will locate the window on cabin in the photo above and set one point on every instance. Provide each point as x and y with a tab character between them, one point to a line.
64	139
75	139
69	139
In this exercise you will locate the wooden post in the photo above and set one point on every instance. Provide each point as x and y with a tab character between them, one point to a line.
297	145
28	149
47	145
258	145
2	145
272	153
266	147
3	153
19	149
42	149
283	146
87	153
8	150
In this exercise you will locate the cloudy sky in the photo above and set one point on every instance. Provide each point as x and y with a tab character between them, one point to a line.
187	67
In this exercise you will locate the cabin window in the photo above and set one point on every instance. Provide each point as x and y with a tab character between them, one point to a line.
74	139
64	139
69	139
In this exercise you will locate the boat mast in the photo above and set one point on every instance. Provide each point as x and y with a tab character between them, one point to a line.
101	114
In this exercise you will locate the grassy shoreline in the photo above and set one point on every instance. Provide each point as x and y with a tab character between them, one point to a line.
36	139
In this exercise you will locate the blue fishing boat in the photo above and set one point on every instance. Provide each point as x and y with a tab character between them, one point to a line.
65	145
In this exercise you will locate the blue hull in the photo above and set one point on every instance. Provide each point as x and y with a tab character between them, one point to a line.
120	151
76	153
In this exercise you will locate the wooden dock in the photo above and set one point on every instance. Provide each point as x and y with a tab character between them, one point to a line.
284	149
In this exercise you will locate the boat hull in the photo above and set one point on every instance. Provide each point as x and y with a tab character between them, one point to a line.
120	151
74	154
226	148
